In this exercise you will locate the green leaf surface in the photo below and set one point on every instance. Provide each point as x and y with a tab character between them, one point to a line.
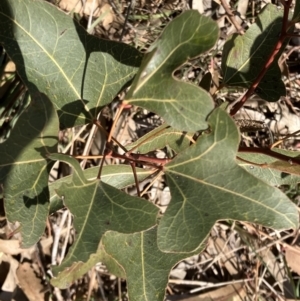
182	105
78	72
161	137
244	56
118	176
273	171
146	267
98	207
24	167
207	185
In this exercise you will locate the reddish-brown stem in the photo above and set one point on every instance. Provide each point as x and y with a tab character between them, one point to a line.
231	17
112	138
137	158
109	137
286	4
101	166
149	138
119	112
276	49
135	179
250	163
270	153
292	35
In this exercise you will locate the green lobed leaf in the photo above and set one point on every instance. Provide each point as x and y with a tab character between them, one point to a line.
207	185
244	56
24	167
146	267
182	105
98	207
161	137
77	71
118	176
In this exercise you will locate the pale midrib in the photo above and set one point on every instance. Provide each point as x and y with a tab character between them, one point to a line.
37	207
228	191
143	266
248	60
52	59
22	162
84	224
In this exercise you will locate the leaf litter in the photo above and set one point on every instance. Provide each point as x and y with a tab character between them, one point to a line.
241	261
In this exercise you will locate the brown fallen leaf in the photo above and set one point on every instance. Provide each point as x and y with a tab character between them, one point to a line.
107	16
9	264
30	283
80	7
292	256
11	247
100	9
